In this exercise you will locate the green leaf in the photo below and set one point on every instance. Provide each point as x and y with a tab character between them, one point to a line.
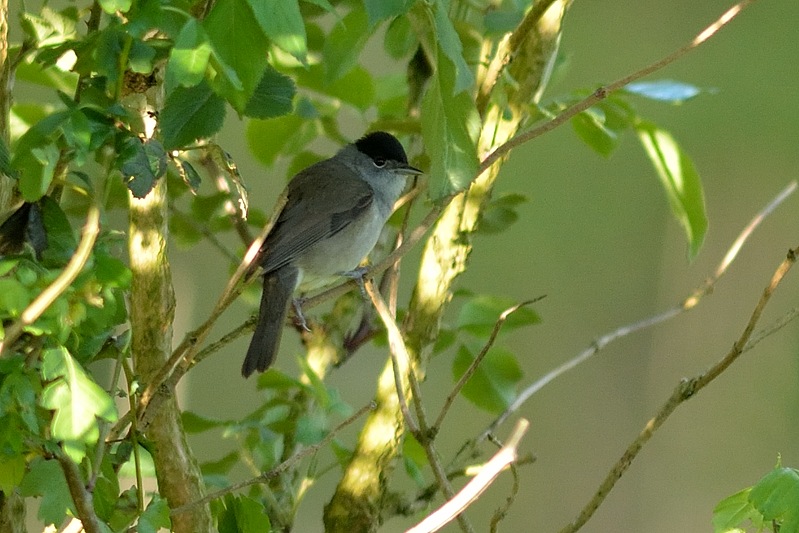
450	126
500	213
46	479
680	181
191	113
14	297
61	242
400	40
356	87
189	58
675	92
344	44
268	138
380	10
776	497
243	515
590	127
155	517
415	460
450	44
194	423
282	22
112	6
733	511
141	164
76	400
229	25
273	97
12	470
492	387
479	315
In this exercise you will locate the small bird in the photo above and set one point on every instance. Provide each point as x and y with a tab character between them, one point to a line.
334	214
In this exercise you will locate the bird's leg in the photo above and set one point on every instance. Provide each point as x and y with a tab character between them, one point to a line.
359	275
296	304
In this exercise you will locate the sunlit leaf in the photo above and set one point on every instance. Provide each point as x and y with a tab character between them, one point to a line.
671	91
479	315
733	511
450	44
680	181
76	400
776	497
189	57
282	22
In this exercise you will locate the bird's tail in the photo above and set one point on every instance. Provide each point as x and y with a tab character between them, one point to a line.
275	299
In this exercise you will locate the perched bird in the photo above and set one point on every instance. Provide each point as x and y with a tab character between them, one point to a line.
333	216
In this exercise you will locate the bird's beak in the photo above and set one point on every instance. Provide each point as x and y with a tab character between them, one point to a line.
408	170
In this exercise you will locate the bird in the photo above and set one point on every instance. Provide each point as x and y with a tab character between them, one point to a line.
334	213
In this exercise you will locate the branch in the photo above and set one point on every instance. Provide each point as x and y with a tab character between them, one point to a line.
282	467
686	305
603	92
60	284
80	496
477	360
686	389
468	494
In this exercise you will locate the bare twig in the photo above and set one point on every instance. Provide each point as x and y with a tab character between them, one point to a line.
60	284
80	496
279	469
468	494
686	389
689	303
604	91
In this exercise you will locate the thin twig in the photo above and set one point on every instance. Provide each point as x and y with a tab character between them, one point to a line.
477	360
686	389
604	91
80	496
279	469
61	283
468	494
687	304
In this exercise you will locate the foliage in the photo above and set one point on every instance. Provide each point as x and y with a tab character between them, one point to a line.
299	78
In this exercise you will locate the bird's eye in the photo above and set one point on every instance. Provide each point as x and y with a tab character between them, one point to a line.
380	163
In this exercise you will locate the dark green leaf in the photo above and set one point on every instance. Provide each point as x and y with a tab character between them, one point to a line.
282	22
61	242
400	38
190	176
415	460
380	10
776	497
590	127
671	91
450	126
229	25
190	55
450	44
500	213
680	181
191	113
344	44
141	164
76	400
492	387
273	96
479	315
243	515
155	517
46	479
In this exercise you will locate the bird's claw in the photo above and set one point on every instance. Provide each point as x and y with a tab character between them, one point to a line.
298	314
359	275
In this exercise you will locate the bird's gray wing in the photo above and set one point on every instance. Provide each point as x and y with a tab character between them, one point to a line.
322	200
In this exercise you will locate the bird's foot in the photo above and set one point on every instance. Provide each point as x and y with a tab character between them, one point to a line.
299	317
359	275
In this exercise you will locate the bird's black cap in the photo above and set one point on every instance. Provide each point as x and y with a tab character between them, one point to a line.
382	145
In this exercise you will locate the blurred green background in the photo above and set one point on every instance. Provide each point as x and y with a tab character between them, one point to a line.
597	238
